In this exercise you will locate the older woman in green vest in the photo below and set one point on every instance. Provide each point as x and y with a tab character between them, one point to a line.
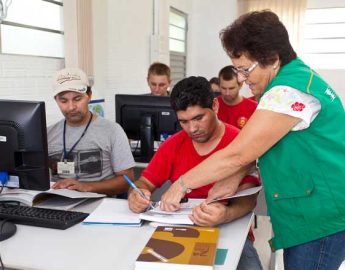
297	134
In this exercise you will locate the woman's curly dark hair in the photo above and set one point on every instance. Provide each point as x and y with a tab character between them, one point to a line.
259	35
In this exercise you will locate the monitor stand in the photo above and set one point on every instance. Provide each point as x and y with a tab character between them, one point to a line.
146	138
7	229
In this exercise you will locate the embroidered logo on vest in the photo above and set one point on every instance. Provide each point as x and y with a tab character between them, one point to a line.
330	93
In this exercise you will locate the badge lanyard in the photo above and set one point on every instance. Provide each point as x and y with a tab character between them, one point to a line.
65	155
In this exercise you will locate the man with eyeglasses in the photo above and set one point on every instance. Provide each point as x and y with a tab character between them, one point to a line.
234	109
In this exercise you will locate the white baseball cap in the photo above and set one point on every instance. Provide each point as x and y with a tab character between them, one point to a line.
70	79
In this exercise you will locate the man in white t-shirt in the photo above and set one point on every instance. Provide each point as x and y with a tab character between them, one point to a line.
86	152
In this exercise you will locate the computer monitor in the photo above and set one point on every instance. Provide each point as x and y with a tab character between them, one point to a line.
146	119
23	143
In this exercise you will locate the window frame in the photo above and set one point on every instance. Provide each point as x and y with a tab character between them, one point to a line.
178	60
32	27
323	57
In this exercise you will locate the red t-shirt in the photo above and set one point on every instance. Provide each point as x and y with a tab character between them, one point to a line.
177	155
236	115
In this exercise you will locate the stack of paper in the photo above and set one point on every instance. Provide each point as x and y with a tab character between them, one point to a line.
114	212
182	215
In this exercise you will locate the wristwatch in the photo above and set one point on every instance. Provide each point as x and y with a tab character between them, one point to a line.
183	186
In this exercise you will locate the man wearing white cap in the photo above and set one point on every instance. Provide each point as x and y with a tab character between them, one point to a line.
86	152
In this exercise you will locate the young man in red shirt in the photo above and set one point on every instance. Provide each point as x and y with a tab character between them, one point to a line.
202	134
234	109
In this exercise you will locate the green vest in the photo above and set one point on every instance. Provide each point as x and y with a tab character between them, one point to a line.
304	173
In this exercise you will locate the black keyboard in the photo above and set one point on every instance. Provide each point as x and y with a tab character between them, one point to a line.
41	217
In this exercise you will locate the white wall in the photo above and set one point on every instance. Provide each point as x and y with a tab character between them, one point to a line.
29	78
122	45
206	54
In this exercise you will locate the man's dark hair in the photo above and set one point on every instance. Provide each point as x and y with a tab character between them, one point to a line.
227	73
191	91
214	80
88	90
261	36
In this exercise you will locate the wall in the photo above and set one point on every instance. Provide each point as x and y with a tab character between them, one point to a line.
122	45
29	78
121	48
206	54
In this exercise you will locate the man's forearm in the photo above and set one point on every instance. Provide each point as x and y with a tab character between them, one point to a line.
113	186
240	207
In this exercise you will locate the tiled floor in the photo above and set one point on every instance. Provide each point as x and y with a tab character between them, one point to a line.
262	235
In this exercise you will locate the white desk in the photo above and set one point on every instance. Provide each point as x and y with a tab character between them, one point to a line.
99	246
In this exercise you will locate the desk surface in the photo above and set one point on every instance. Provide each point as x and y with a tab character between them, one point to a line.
99	246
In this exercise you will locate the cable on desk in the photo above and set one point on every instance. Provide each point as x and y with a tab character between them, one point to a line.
3	180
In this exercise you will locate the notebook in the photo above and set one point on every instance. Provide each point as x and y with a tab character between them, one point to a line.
113	211
179	248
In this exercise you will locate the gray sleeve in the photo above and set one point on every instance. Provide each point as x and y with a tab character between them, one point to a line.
122	157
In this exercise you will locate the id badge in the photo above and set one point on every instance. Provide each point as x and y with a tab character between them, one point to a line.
65	167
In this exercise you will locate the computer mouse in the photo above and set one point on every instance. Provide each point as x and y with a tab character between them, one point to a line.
7	229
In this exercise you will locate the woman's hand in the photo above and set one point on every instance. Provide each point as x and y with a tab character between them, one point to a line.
170	200
220	189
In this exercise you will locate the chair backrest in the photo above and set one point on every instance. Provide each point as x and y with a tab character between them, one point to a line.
261	208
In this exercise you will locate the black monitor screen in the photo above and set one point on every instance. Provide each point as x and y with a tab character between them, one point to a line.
23	143
147	119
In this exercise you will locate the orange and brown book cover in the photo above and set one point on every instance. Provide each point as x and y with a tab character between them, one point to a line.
178	248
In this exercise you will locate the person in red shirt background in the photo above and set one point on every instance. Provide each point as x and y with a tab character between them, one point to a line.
214	81
202	134
234	109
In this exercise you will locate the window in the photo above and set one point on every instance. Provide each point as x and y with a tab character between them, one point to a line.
33	27
177	44
324	38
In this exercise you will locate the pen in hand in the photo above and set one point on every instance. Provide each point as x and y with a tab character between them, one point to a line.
129	181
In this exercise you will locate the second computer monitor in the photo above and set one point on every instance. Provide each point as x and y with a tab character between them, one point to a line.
23	143
146	119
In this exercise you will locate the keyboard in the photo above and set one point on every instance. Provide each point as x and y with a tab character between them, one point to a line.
41	217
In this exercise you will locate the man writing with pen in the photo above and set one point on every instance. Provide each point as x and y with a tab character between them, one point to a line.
202	134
